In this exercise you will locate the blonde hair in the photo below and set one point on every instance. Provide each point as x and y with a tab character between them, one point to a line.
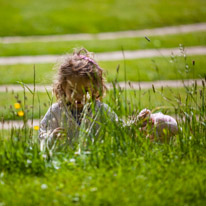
80	64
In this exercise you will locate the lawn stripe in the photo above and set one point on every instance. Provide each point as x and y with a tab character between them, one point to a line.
107	35
129	85
105	56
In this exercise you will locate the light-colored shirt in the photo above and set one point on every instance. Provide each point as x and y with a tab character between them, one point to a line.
89	122
60	115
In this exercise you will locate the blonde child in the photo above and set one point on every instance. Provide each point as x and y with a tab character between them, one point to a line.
79	83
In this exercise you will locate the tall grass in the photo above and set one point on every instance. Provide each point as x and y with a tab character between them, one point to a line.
121	166
117	140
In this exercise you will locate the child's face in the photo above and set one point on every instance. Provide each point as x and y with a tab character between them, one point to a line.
77	91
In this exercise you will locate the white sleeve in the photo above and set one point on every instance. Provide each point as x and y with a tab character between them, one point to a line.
48	124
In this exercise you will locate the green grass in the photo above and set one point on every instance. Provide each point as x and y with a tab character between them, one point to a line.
154	182
120	168
167	41
158	68
162	100
52	17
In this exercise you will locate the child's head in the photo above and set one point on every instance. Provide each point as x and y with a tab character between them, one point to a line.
79	76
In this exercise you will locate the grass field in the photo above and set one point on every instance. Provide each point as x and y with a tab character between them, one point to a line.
165	99
154	178
139	171
136	70
52	17
40	48
122	166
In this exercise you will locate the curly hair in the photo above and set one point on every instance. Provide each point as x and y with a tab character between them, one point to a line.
80	64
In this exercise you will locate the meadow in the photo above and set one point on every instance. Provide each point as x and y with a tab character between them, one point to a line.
146	98
140	171
123	166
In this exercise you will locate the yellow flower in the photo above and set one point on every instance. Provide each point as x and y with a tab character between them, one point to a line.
17	105
36	127
20	113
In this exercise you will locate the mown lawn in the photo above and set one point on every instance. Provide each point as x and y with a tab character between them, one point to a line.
167	41
158	68
59	17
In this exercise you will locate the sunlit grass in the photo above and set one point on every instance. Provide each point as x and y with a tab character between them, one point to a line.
164	99
167	41
59	17
122	162
158	68
122	167
153	182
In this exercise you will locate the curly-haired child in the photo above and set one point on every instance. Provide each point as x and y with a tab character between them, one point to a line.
79	83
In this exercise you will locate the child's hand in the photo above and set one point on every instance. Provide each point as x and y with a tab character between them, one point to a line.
144	117
58	132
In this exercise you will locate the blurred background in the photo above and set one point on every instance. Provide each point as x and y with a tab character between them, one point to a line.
39	32
45	17
23	23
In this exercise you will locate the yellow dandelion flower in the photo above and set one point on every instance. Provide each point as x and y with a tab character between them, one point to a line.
17	105
36	127
20	113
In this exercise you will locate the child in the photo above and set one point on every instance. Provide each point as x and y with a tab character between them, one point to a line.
80	82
